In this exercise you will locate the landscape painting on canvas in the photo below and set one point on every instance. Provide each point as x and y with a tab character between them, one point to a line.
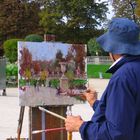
51	73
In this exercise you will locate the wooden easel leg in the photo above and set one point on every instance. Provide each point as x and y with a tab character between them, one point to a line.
20	121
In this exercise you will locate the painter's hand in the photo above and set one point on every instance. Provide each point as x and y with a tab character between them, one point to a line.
91	96
73	123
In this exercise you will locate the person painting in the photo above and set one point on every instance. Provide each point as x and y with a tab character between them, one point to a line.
117	114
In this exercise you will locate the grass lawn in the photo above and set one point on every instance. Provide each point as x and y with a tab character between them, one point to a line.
94	71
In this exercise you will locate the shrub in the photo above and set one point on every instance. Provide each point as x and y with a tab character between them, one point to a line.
10	49
11	70
34	38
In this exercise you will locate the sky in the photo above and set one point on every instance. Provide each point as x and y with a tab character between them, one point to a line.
110	14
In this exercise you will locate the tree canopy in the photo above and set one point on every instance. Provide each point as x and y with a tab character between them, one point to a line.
74	20
18	18
125	8
138	8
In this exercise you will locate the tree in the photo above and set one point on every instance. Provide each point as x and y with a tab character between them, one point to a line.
125	8
59	55
18	18
36	67
25	63
74	21
94	48
138	8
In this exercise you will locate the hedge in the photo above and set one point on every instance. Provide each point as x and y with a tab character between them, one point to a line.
34	38
10	49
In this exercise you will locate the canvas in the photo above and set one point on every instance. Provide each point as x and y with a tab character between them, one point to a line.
51	73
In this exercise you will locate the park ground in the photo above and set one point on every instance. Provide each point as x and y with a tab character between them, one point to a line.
9	111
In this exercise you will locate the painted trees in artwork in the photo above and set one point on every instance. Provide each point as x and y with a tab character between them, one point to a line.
26	64
36	67
80	55
59	55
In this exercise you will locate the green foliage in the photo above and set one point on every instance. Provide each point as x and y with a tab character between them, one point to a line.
94	70
125	8
121	9
138	8
11	70
10	49
94	48
34	38
18	18
72	20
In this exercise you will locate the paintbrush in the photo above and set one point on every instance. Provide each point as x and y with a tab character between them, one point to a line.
52	113
48	130
38	131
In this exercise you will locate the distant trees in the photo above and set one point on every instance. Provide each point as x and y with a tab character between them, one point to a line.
18	18
72	21
126	8
138	8
122	8
94	48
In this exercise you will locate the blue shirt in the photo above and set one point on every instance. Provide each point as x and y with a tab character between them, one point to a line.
117	114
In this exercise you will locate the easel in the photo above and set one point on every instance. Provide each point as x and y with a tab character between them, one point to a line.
40	121
20	122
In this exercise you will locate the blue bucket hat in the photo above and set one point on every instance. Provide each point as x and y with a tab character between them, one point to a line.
122	37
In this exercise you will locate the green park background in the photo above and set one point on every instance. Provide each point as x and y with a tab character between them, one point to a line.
63	21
